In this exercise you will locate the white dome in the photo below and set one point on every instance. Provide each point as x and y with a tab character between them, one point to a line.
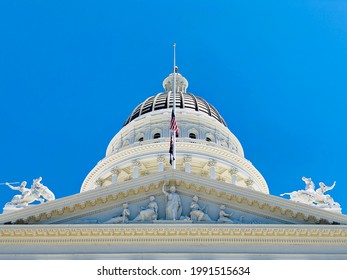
205	145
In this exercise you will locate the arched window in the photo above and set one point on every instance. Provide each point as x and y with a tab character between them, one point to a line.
210	137
156	136
140	139
192	135
125	143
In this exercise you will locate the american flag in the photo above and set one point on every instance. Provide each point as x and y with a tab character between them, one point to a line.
173	124
173	129
171	150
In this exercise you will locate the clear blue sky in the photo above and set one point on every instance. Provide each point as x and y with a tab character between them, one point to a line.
72	71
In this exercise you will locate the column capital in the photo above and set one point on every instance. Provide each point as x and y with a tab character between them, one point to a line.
115	171
160	158
187	158
99	182
233	171
249	182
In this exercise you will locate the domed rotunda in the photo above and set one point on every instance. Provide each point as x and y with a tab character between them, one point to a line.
205	145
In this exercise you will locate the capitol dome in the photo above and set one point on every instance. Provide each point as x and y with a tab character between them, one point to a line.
164	100
205	146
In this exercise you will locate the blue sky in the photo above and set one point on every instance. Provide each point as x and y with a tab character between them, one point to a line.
72	71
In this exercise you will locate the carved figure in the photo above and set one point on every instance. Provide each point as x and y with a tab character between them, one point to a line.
196	213
39	189
123	218
30	195
223	216
149	213
315	197
325	198
17	199
174	205
309	184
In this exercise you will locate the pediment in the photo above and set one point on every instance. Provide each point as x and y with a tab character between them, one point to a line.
102	204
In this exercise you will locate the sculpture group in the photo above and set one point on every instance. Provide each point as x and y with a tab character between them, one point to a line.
313	196
37	192
173	210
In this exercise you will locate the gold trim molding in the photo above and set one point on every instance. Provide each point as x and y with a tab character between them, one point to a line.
335	235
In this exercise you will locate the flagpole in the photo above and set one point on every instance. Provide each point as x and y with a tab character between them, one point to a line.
174	109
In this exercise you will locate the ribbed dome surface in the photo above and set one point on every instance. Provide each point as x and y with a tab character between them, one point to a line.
184	100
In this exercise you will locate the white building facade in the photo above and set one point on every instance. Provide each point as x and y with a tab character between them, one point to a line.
214	205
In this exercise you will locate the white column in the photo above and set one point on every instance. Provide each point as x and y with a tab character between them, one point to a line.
161	161
233	172
136	166
212	164
115	173
187	160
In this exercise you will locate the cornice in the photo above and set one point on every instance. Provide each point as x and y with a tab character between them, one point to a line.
182	233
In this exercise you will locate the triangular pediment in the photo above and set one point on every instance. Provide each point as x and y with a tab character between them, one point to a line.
102	204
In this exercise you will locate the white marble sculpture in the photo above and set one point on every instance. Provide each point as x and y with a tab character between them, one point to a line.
150	213
123	218
196	212
223	216
37	192
17	199
315	197
174	204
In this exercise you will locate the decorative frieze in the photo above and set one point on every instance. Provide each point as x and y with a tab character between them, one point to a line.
182	233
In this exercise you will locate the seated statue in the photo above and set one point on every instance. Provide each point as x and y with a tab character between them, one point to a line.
123	218
150	213
223	216
196	213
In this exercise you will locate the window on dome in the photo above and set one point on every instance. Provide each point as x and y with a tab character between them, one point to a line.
156	136
140	139
192	135
208	139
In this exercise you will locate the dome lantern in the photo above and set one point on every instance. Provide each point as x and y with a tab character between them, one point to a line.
181	83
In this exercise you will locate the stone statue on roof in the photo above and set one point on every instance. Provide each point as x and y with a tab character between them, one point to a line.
37	192
316	197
